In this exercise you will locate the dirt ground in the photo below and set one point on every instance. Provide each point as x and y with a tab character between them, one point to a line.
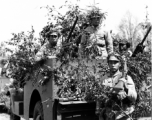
4	116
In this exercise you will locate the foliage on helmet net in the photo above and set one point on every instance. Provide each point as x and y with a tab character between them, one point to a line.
83	79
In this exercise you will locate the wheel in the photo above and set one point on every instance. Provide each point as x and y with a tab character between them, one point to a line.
38	111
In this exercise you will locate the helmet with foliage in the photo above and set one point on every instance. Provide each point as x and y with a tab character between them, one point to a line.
124	42
95	12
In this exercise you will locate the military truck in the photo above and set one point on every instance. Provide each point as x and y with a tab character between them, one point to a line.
41	102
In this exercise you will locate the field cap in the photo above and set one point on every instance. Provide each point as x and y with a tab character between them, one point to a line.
114	57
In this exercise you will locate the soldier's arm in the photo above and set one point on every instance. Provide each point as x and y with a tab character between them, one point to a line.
40	54
107	82
132	94
130	89
83	39
109	42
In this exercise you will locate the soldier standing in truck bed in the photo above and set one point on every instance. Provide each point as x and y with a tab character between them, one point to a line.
50	48
124	48
94	34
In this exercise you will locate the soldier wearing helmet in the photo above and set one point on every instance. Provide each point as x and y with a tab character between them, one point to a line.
50	48
94	34
124	47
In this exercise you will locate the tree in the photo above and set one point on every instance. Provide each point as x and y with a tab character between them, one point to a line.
3	54
130	29
134	31
21	59
149	38
2	49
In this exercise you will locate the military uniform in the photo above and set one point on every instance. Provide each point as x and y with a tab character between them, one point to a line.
111	81
47	50
50	48
99	37
126	52
44	51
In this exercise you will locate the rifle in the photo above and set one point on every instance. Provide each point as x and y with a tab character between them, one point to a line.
140	47
69	36
67	43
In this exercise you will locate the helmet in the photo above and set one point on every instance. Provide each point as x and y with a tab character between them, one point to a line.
124	42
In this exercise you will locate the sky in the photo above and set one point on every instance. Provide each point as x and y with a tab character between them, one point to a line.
20	15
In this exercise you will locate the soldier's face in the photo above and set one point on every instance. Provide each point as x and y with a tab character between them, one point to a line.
95	21
53	40
114	64
53	37
123	47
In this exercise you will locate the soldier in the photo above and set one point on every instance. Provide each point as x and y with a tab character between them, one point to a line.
122	87
124	48
50	48
94	34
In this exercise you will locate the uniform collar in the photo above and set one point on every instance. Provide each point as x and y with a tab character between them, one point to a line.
50	47
116	74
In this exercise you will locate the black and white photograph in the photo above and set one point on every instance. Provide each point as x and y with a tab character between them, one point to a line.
75	60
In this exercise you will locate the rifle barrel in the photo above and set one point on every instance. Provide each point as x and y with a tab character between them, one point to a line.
146	35
140	47
68	39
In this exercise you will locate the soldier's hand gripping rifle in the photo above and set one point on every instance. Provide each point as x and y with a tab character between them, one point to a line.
140	47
